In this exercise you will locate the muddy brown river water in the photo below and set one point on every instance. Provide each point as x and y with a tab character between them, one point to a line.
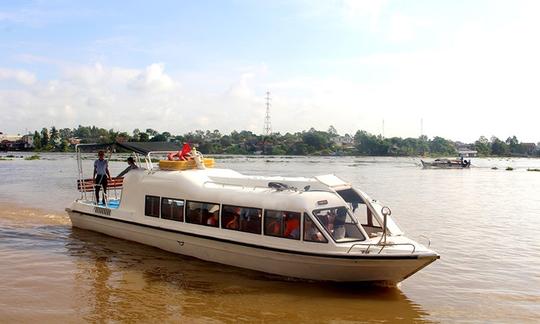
485	224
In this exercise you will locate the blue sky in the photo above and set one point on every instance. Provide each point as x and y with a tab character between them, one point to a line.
468	68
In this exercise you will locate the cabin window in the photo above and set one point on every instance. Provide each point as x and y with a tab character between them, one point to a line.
172	209
350	196
202	213
365	216
339	224
361	210
282	224
243	219
312	232
151	206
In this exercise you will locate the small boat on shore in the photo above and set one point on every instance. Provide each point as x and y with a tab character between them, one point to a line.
316	228
447	164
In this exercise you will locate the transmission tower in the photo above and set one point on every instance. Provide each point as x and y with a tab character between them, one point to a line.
267	123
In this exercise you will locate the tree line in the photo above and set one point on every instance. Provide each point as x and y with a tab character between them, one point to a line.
310	142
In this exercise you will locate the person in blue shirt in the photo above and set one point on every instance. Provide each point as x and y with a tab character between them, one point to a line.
101	175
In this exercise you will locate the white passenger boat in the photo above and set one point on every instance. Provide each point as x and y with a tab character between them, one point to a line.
319	228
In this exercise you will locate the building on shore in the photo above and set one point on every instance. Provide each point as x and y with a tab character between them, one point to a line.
16	142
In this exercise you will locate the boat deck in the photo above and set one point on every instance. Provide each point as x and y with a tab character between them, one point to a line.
111	204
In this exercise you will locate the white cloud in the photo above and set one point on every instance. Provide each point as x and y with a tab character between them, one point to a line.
153	78
364	9
401	28
125	99
20	76
242	89
482	80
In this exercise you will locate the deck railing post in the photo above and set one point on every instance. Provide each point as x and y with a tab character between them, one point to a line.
385	211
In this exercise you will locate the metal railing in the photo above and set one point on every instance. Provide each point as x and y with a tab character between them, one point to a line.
427	238
383	245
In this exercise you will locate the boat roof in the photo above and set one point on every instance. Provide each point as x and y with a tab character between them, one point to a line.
214	184
217	177
137	147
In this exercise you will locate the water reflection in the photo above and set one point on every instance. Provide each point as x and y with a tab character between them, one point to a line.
125	281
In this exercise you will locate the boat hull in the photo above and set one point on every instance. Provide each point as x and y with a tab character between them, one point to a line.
343	268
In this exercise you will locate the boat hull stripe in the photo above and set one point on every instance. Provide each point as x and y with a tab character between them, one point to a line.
364	256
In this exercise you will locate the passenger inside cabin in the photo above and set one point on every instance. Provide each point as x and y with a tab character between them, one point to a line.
273	228
311	232
131	166
234	223
339	223
327	220
292	227
214	216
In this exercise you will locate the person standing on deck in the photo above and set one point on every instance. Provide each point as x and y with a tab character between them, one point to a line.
101	174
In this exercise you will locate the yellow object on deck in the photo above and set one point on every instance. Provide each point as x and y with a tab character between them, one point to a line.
184	165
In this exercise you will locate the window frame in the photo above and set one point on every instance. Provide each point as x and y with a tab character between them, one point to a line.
183	209
159	206
355	221
316	223
202	202
261	225
300	225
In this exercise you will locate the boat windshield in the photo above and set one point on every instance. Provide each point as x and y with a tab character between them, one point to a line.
339	224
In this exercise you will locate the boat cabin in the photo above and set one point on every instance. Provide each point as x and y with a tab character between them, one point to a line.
225	202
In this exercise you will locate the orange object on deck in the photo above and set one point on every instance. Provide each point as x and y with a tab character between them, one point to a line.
181	155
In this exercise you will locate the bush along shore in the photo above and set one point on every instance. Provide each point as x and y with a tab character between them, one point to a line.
310	142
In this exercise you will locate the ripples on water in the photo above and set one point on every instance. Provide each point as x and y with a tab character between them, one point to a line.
57	273
484	223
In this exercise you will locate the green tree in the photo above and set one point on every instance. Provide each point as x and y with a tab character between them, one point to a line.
37	140
158	138
332	131
65	133
136	133
499	147
64	146
439	145
151	132
54	140
44	137
315	141
483	146
368	144
225	141
143	137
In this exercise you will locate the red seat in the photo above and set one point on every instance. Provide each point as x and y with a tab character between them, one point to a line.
88	185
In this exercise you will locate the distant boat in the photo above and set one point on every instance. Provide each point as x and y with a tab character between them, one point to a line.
447	164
